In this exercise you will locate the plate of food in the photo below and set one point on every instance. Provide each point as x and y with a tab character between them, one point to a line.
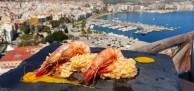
74	66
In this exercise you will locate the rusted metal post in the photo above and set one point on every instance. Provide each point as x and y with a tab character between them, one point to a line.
178	58
192	59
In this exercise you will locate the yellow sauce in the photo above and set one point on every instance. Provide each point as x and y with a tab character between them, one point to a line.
30	77
144	60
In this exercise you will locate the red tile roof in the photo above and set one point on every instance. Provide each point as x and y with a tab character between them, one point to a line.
20	53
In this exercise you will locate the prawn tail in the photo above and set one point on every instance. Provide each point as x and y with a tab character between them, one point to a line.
89	75
40	72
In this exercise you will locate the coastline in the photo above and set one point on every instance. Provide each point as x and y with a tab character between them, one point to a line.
159	11
166	20
164	11
101	15
142	11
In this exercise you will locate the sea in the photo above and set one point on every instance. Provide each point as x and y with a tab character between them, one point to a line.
182	22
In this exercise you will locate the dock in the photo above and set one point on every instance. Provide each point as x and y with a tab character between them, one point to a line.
139	26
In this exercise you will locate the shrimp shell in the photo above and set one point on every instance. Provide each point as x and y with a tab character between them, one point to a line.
62	55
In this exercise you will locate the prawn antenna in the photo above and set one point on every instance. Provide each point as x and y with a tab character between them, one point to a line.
24	70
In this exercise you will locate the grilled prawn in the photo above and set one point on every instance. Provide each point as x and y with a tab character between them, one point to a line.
62	55
101	64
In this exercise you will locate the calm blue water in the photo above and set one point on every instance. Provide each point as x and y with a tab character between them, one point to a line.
183	21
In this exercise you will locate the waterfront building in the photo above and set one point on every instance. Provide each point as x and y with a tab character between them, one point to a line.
115	8
110	8
185	6
156	6
130	8
181	6
170	7
138	8
142	7
80	14
124	7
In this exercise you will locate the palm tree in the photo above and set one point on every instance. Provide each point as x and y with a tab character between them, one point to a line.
5	34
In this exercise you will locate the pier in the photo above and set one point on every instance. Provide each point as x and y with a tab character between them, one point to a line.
120	25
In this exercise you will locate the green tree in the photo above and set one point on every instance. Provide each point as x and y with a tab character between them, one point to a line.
29	40
32	29
57	36
66	30
25	28
62	20
5	34
83	24
44	29
55	24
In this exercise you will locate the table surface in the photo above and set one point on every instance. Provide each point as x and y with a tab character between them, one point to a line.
158	76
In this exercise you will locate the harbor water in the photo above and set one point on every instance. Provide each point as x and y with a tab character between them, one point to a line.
182	22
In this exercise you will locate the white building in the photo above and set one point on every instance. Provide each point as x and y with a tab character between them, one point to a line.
187	6
124	7
55	17
169	7
137	8
131	8
110	8
6	32
79	15
183	6
115	8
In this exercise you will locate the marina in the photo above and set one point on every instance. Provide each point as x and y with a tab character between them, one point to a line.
127	26
179	25
142	32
